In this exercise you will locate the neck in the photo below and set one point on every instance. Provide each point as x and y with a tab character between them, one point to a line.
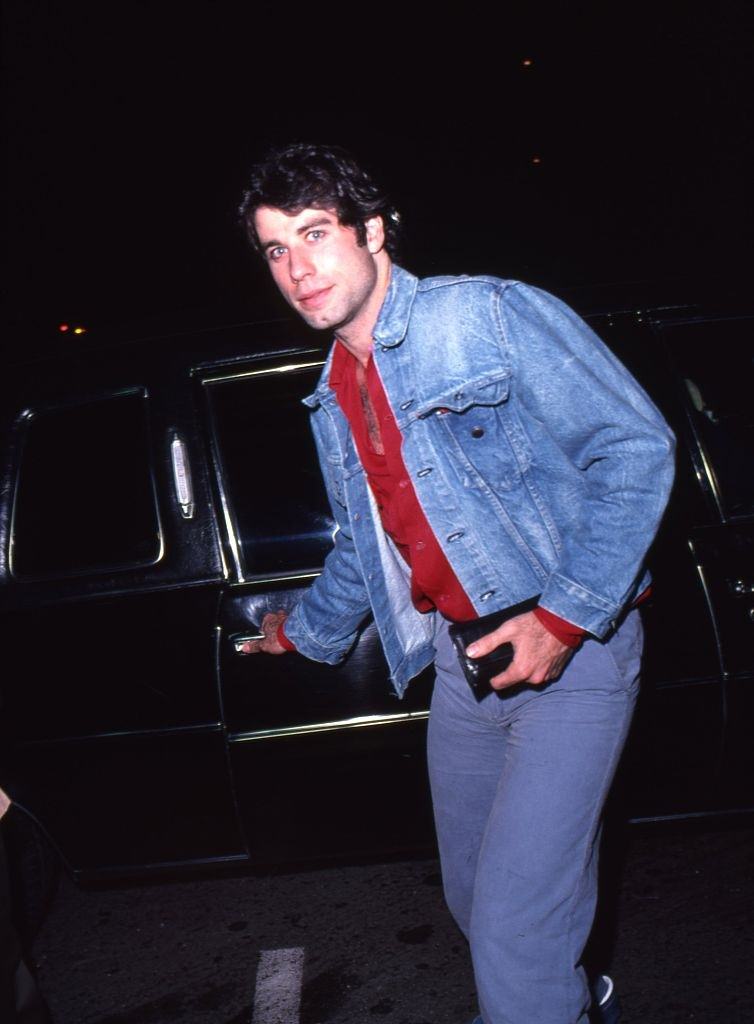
356	335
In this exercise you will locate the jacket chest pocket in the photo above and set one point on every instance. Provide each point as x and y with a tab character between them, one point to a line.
478	424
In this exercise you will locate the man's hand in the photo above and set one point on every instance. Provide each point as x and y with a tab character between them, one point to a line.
270	625
538	656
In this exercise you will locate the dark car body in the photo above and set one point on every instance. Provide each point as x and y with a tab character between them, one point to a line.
157	498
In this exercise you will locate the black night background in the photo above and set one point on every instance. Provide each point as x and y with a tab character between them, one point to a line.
565	144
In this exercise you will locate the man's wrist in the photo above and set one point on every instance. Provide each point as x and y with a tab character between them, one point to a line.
561	629
283	640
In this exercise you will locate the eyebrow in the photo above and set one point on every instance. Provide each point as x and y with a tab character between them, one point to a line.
308	225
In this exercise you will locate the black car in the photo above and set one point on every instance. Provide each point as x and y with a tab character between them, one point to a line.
157	498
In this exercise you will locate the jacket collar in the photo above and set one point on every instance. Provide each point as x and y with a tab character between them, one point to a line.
392	323
390	329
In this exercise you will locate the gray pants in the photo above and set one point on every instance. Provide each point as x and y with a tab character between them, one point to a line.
519	782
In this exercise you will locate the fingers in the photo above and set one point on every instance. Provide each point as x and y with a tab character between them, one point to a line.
271	623
533	670
538	656
507	633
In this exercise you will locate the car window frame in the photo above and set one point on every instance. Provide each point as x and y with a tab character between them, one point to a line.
208	375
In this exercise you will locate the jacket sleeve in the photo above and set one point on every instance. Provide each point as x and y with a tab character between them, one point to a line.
611	432
324	625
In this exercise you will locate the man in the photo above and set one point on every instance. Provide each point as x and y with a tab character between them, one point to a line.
480	448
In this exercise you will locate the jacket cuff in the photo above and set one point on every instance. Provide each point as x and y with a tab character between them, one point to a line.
579	606
305	643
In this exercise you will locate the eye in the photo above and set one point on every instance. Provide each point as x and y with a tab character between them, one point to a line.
275	252
315	234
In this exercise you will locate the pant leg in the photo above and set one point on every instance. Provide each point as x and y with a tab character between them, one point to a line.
518	784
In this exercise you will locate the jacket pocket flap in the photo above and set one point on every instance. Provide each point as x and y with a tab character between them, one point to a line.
490	389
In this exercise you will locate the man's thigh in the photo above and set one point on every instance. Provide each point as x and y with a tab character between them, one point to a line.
522	776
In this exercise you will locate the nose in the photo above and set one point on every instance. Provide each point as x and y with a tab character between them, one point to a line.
299	265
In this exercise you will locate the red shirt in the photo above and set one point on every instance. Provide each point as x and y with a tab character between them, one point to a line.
433	582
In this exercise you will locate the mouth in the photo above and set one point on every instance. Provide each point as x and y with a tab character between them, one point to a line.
314	299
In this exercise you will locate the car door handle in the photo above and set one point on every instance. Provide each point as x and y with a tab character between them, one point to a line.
184	490
239	639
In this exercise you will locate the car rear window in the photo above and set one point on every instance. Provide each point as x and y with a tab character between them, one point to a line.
85	498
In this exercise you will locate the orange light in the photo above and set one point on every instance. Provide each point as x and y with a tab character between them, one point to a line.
79	330
63	327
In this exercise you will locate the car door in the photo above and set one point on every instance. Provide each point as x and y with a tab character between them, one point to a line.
673	758
110	575
326	759
714	360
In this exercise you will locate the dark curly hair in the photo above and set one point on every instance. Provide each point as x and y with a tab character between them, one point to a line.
302	175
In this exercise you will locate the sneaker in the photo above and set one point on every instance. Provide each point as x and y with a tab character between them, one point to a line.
605	1005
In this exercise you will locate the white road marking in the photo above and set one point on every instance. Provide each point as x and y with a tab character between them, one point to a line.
277	998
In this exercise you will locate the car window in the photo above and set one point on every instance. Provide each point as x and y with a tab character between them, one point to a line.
716	364
85	499
269	470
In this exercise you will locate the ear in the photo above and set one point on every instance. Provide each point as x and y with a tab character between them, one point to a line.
375	234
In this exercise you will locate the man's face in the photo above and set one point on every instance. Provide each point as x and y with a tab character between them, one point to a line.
318	265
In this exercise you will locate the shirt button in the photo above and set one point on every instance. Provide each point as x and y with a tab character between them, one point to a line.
420	545
477	432
403	483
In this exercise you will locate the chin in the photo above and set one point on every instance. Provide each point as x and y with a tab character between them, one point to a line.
318	322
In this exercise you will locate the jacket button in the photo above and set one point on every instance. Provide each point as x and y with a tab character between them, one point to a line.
477	431
425	472
488	594
455	536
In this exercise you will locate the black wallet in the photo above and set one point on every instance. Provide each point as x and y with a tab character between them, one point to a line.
479	671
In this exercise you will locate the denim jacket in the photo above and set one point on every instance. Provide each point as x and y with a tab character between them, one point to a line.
540	464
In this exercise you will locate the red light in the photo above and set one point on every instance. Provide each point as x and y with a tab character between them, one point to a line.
63	327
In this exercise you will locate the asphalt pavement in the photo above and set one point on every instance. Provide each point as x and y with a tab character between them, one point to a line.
374	943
